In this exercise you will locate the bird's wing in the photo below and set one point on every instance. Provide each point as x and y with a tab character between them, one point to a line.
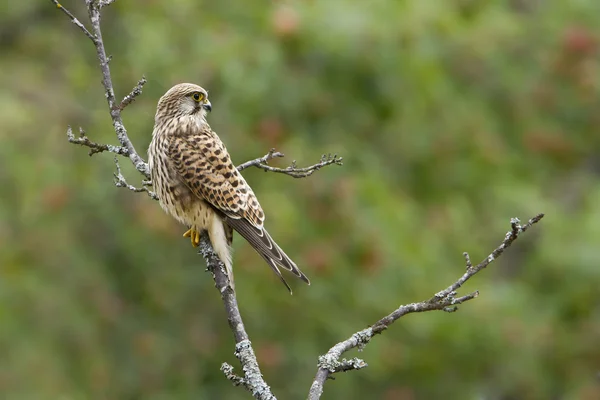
264	245
206	168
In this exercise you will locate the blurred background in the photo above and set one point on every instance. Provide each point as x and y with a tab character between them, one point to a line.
452	117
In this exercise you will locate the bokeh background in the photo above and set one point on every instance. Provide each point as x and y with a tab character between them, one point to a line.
452	116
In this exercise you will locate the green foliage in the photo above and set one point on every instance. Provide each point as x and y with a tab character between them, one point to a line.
452	116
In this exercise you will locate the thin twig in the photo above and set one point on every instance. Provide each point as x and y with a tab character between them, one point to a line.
444	300
104	3
74	20
516	230
467	260
83	140
115	111
137	90
227	369
121	182
292	170
261	160
349	365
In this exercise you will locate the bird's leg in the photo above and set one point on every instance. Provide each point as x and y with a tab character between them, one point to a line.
194	236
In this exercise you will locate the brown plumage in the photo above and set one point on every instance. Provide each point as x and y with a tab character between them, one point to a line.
197	183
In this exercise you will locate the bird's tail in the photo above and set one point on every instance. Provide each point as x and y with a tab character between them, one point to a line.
221	235
264	245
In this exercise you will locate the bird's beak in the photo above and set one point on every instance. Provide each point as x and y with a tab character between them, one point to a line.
207	106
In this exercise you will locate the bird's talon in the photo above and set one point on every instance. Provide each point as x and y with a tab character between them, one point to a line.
194	236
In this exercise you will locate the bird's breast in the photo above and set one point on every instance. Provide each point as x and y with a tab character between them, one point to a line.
174	196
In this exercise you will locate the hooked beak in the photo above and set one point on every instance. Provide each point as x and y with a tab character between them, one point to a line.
207	106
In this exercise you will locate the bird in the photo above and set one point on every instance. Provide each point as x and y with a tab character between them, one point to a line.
197	183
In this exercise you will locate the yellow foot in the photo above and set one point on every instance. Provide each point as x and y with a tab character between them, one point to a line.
194	236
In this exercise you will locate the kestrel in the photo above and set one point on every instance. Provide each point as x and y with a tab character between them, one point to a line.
197	183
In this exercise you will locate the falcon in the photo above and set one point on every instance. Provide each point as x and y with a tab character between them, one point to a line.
197	183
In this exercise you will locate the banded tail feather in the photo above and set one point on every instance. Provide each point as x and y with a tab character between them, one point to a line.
264	245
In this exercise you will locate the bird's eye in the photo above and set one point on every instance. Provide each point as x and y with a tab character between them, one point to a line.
197	96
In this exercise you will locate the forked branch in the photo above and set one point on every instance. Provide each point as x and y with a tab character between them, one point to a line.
293	170
445	300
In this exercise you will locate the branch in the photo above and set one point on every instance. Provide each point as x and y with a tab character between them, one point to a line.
104	3
261	160
292	170
114	109
121	182
74	20
94	147
135	92
126	149
444	300
252	380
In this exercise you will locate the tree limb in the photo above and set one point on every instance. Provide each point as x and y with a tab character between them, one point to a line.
444	300
83	140
253	379
75	21
293	170
261	160
135	92
120	181
114	109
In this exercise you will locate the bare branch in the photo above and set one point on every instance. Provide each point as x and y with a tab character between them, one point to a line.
348	365
94	147
261	160
137	90
115	111
74	20
104	3
444	300
516	230
467	260
227	369
253	379
292	170
121	182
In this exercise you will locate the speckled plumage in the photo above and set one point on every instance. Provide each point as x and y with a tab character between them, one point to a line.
197	183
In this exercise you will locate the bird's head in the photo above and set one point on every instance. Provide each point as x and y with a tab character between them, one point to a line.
184	99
